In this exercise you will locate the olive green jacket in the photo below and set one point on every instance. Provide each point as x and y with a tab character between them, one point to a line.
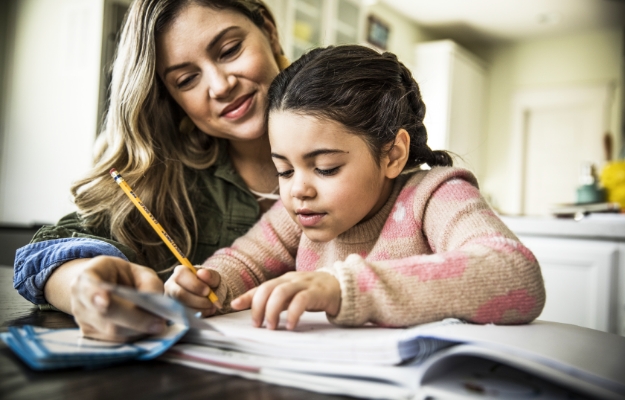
225	209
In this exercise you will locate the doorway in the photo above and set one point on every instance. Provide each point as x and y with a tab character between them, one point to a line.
555	131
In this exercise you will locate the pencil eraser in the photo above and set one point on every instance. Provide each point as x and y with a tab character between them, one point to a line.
112	170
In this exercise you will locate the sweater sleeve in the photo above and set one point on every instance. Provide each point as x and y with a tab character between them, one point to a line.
474	267
265	252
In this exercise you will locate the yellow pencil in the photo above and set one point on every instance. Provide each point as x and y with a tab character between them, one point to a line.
158	228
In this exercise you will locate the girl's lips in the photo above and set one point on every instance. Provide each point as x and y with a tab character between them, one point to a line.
309	220
239	107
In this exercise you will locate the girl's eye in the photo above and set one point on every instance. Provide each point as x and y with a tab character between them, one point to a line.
328	172
231	51
285	174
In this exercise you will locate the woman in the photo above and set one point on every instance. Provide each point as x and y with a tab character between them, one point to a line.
186	129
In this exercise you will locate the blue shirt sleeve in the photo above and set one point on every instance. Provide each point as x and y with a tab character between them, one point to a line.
34	263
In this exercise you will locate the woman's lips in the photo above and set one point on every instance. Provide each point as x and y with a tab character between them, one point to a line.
239	107
310	219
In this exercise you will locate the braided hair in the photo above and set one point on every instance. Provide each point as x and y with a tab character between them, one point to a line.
373	95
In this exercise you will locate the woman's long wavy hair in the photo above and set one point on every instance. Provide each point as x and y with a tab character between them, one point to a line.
373	95
141	138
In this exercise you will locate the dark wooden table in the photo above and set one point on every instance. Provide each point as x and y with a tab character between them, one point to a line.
130	381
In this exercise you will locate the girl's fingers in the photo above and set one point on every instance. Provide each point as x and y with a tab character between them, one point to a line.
296	308
244	301
259	300
208	276
187	280
279	300
198	302
185	286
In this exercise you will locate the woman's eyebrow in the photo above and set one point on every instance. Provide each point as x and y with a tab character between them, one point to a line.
211	44
313	153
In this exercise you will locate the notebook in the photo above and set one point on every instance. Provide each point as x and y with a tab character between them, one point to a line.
400	363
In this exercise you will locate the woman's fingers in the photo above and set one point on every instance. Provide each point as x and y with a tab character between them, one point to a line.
103	316
145	279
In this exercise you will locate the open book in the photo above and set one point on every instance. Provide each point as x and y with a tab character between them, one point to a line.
443	359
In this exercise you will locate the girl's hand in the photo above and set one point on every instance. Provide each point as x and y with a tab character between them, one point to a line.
191	289
101	315
294	291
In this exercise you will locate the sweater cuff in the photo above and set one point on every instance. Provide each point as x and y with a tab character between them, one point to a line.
353	305
34	263
222	294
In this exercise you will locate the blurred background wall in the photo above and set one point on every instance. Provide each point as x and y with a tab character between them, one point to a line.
482	68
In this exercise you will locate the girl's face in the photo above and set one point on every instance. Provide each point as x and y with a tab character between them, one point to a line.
218	66
329	181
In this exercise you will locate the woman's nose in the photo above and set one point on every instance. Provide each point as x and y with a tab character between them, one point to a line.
220	83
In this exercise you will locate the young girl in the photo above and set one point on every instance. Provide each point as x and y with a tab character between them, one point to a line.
383	240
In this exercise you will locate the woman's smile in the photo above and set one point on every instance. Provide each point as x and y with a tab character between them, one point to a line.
239	107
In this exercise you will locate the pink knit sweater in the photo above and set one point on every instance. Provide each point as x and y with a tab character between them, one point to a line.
435	250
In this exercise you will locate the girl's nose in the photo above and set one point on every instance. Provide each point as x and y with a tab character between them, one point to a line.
220	83
300	189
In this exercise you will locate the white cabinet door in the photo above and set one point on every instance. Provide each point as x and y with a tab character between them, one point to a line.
581	279
452	83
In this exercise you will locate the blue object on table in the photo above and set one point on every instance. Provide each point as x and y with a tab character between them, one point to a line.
44	349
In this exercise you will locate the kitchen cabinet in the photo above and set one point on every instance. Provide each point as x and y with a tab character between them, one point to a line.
583	265
315	23
453	84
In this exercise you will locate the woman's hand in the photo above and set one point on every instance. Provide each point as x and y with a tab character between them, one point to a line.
192	290
101	315
294	291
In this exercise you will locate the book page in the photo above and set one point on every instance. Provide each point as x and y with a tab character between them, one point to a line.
317	339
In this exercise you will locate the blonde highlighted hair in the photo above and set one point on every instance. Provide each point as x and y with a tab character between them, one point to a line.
142	140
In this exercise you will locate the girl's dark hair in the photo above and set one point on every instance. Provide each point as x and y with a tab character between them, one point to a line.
372	94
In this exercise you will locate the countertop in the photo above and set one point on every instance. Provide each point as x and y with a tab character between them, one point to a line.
594	226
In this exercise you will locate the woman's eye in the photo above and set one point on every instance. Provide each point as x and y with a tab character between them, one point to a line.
185	82
328	172
231	51
285	174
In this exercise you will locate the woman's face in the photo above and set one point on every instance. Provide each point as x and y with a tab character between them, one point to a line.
218	66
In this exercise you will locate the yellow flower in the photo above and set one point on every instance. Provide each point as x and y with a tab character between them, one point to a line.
613	179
